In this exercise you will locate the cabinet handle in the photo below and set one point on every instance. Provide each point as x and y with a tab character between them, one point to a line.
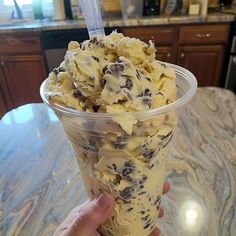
182	55
152	37
168	55
202	36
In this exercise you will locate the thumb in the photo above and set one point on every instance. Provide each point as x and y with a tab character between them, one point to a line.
92	215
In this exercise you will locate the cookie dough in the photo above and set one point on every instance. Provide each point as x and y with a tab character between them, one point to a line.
124	153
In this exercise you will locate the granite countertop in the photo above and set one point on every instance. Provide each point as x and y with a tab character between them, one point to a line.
117	22
40	181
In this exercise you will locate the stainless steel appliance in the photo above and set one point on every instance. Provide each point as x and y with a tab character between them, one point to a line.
55	44
230	82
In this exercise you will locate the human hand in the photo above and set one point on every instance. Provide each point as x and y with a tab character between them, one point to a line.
85	219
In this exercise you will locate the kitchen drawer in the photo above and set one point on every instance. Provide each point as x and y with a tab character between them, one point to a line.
19	43
160	35
204	34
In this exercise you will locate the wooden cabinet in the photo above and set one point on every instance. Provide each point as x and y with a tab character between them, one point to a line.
199	48
23	77
22	69
161	36
205	62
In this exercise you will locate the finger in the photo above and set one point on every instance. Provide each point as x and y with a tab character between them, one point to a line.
161	212
92	215
166	187
155	232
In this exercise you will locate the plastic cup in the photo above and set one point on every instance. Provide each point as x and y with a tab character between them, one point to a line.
129	166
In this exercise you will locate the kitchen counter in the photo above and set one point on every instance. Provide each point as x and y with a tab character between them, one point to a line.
40	182
117	22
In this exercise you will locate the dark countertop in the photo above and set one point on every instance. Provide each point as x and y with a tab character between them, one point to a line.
40	182
117	22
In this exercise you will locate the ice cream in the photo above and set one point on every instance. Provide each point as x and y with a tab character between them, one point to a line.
125	152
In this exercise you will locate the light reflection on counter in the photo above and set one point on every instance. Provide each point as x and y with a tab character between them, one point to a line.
191	217
19	116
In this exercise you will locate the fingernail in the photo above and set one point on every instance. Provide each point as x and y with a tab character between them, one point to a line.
103	201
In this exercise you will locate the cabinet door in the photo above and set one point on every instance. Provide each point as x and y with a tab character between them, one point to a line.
164	38
23	76
3	106
165	54
205	62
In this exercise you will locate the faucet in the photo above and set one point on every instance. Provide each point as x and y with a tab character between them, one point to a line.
18	12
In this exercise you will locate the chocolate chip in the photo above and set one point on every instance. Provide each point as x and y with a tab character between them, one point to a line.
163	64
145	217
128	169
96	108
158	200
61	69
116	67
120	143
162	137
117	179
148	154
146	226
138	74
130	209
160	93
89	148
141	193
126	193
77	93
148	102
114	166
147	92
95	58
148	79
102	83
55	71
140	95
168	141
142	212
94	41
104	69
129	84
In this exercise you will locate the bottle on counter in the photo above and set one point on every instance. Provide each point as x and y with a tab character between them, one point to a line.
151	7
37	9
59	10
76	10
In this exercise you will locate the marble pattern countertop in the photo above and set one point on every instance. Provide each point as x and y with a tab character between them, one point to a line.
40	182
116	22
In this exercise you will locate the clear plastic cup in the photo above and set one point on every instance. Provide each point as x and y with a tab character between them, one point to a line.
129	166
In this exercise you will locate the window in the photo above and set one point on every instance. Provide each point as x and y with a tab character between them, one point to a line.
20	2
